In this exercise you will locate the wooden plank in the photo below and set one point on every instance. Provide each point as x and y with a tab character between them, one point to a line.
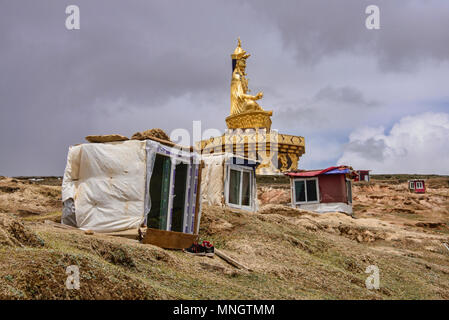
230	260
169	239
171	144
446	246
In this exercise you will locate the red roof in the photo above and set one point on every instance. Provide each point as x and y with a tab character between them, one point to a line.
314	173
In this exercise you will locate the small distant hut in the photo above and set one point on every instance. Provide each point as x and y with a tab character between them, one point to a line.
328	190
417	186
362	175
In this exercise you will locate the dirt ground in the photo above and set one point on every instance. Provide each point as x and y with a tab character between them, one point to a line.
30	197
293	254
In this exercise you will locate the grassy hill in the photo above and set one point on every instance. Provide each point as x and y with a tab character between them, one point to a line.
293	254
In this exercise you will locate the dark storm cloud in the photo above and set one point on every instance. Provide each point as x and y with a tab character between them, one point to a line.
346	95
370	149
57	84
410	30
328	108
139	64
132	52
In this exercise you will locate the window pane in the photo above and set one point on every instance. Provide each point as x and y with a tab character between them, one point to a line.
234	187
311	191
246	188
300	192
159	192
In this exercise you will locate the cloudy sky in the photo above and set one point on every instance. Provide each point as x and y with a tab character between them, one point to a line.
374	99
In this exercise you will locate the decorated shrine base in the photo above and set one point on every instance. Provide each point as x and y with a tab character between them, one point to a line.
277	152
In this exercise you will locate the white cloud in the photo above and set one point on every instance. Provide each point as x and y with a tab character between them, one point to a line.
415	144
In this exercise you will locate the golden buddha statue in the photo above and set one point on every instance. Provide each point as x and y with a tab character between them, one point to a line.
249	125
245	111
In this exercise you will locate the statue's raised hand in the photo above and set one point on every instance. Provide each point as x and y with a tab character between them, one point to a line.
259	95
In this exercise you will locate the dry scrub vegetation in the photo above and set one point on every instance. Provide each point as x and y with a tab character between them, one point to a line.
294	254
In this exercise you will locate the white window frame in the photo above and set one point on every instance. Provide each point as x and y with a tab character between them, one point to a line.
186	213
411	185
419	185
241	169
305	189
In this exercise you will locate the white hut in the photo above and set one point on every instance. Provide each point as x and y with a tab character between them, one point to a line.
229	180
121	185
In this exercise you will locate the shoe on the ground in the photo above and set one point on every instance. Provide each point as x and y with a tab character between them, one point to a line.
208	248
196	250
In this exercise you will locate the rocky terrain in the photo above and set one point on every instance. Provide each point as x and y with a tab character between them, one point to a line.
291	254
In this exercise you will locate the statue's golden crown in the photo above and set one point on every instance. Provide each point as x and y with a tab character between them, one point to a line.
239	53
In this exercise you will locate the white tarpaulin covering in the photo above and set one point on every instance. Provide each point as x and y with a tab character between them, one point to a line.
327	207
212	180
107	183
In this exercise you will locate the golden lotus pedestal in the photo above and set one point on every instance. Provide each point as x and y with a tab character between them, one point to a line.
277	152
250	119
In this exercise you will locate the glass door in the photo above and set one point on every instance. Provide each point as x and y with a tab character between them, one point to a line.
159	193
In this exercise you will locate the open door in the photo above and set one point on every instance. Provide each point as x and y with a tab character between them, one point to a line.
159	193
179	201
